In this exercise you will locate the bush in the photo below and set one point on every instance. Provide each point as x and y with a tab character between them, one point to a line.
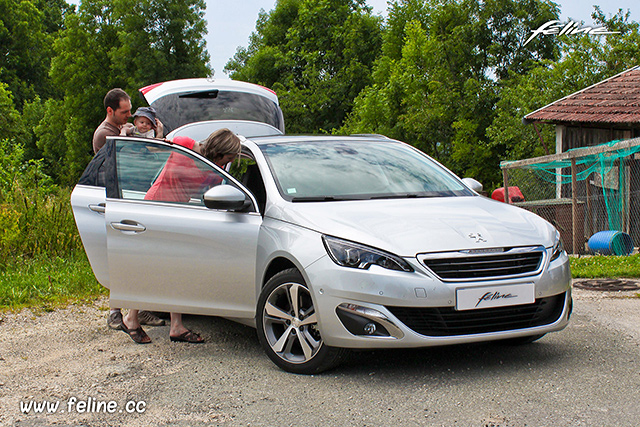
35	214
42	261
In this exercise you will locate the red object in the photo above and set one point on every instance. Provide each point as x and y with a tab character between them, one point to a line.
270	90
146	89
515	195
181	178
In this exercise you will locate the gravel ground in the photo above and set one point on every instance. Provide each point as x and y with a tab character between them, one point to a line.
70	355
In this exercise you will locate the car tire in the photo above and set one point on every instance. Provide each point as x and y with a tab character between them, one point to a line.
522	340
287	326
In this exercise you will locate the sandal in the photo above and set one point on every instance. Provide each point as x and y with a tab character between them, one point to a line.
190	337
138	335
114	321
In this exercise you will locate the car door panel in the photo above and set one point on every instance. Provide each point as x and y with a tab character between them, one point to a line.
192	259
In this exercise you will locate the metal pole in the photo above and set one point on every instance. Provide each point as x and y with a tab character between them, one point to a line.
574	205
588	213
626	199
506	186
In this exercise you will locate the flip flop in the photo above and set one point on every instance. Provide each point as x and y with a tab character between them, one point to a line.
138	335
190	337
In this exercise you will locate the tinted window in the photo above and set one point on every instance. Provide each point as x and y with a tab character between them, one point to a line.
180	109
335	170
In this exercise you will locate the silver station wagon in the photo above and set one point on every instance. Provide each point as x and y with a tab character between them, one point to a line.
324	244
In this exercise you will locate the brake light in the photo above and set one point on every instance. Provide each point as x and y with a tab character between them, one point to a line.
266	88
146	89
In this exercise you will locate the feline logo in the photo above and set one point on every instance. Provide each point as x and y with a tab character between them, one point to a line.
568	28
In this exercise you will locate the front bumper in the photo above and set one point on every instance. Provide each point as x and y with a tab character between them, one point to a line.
363	308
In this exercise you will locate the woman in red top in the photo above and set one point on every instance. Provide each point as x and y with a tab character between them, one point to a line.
180	180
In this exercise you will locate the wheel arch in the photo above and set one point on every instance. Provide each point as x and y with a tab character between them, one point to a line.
277	265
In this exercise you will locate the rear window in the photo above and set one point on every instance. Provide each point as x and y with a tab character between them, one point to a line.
180	109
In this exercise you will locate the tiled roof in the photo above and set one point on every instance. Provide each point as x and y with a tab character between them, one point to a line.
614	100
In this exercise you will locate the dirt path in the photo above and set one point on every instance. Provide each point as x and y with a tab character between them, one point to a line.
70	353
69	356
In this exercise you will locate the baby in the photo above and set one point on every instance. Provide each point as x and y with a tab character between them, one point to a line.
145	124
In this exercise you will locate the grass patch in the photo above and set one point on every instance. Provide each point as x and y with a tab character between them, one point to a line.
601	266
47	283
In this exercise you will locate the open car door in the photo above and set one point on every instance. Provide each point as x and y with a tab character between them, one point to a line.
175	256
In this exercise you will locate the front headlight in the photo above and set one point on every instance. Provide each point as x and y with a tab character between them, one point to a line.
349	254
558	249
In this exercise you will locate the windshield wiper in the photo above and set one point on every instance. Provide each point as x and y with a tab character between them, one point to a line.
426	195
399	196
324	199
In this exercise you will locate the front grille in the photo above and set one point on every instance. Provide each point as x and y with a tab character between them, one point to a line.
446	321
461	266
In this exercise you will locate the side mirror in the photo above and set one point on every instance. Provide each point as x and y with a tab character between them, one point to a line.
225	197
472	184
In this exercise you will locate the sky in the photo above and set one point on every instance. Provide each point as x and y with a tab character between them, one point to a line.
230	23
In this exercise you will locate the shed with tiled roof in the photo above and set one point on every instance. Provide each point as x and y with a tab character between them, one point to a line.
603	112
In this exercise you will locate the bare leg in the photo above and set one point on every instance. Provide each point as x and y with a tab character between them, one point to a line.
179	332
177	328
131	326
131	320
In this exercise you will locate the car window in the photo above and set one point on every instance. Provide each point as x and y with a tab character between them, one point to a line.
179	109
148	171
343	170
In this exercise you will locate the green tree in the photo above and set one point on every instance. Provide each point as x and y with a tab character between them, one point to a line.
159	40
32	115
440	75
11	123
27	31
24	50
114	43
54	12
317	55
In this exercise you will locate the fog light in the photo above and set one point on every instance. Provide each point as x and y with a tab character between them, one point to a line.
365	321
370	328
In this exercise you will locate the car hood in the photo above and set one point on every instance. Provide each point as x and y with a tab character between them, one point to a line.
407	227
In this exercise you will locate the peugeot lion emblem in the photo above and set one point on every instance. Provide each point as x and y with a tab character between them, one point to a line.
478	237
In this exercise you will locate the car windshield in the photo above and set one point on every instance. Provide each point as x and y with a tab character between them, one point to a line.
179	109
355	170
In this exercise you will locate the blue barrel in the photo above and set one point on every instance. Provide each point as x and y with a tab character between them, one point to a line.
611	242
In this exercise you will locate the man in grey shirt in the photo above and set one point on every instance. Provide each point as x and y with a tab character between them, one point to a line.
118	105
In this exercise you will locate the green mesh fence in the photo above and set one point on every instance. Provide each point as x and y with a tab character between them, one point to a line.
607	190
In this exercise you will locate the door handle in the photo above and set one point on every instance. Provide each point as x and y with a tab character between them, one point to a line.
100	208
128	225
